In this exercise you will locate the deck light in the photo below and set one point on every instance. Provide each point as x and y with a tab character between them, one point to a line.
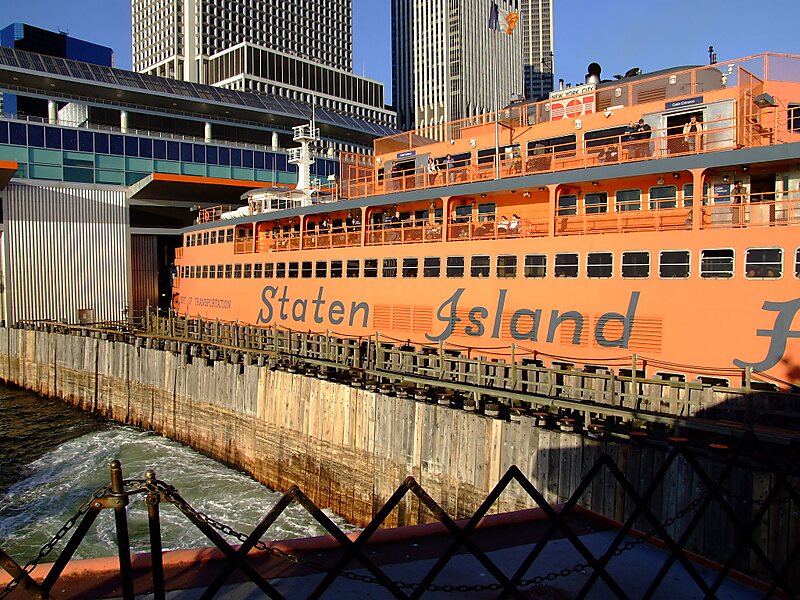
676	175
765	101
595	183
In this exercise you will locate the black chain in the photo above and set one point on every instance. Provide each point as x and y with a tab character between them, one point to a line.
47	548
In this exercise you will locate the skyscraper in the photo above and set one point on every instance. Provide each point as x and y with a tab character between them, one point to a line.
298	49
536	22
175	38
448	64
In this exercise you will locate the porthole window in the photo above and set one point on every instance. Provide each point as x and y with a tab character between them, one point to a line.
566	265
599	264
635	265
674	264
716	264
536	265
763	263
479	266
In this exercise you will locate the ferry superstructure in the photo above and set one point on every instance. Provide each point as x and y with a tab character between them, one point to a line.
564	232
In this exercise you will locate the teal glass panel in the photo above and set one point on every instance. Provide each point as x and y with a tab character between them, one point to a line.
191	169
139	164
112	177
218	171
78	159
14	153
166	166
45	157
78	175
242	173
45	172
103	161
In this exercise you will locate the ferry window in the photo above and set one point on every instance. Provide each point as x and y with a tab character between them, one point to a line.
486	156
212	272
229	235
463	213
596	202
353	268
307	270
390	267
716	264
321	269
486	211
674	264
635	264
370	267
566	265
219	271
599	264
604	137
536	265
507	266
663	196
336	269
567	205
294	270
479	266
628	200
248	271
237	271
280	270
410	267
797	263
190	272
563	143
431	266
228	271
763	263
269	270
794	116
455	266
205	238
205	271
213	237
688	193
257	267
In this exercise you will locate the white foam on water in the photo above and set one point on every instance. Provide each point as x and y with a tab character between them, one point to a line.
57	483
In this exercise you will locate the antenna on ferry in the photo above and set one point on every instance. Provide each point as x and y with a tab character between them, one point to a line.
712	56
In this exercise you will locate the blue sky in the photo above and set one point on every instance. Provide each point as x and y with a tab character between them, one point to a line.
618	34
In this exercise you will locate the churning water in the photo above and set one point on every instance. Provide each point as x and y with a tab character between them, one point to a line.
53	456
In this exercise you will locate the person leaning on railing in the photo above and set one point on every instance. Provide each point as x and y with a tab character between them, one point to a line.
737	199
693	134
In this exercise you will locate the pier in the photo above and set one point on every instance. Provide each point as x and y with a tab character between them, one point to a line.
346	420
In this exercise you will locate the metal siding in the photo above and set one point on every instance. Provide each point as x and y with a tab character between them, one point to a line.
65	250
144	268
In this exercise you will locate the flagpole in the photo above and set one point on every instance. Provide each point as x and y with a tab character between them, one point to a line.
495	69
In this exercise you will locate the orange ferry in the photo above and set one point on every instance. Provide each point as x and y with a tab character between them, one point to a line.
649	221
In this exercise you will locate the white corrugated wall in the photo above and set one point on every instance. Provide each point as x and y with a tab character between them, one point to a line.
65	249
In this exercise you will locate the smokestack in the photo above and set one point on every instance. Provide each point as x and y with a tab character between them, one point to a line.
560	84
593	75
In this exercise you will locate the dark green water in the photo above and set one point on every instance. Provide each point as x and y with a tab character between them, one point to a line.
52	457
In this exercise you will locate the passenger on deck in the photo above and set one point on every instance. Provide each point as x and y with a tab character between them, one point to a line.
629	139
693	135
502	225
513	226
737	198
643	133
608	154
431	169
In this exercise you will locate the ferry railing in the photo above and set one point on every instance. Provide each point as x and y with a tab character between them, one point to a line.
721	501
716	135
767	209
655	219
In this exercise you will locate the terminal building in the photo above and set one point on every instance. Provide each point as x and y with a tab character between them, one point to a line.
104	166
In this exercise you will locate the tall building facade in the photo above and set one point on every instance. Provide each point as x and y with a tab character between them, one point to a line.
296	49
536	22
175	38
448	64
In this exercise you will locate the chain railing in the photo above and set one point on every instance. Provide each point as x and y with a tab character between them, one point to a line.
709	501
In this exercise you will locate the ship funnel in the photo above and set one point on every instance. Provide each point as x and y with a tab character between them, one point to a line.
593	75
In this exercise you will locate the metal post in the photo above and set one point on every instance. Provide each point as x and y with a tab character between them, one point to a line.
634	391
123	541
513	366
152	499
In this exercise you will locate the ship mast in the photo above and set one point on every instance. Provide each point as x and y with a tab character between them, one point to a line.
303	156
